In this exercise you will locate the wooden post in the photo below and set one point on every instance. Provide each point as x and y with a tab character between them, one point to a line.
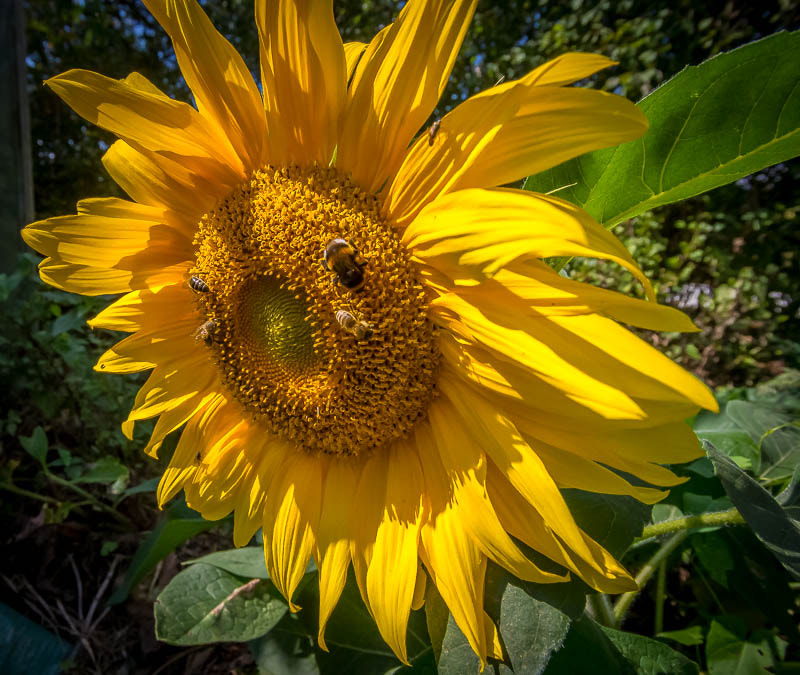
16	172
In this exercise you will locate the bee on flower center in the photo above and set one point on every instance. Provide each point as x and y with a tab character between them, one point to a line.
361	330
347	264
206	331
198	285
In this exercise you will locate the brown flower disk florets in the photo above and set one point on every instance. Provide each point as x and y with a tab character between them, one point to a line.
276	339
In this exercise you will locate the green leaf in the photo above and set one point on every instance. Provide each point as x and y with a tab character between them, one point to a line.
779	442
456	655
689	637
728	654
246	562
714	555
205	604
285	650
437	617
150	485
26	647
36	445
355	644
590	648
67	322
104	470
587	649
762	513
648	656
728	437
613	521
711	124
533	620
164	538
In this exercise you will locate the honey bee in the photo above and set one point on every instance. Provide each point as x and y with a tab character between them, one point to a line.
361	330
206	331
347	264
198	285
434	129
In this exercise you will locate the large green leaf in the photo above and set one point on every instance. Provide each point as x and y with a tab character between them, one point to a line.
711	124
611	520
772	524
179	525
533	619
590	648
246	562
648	656
205	604
285	650
26	647
728	653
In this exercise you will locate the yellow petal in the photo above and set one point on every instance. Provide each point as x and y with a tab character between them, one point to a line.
566	69
452	558
465	465
547	293
150	178
268	454
474	233
621	449
553	370
404	73
516	460
88	280
184	463
506	133
353	51
223	88
591	344
572	471
334	537
600	570
419	589
291	516
171	386
145	306
368	503
304	76
150	121
129	238
159	343
392	571
175	418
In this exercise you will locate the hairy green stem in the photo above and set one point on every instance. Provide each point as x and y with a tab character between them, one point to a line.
661	597
10	487
601	609
91	498
626	599
729	517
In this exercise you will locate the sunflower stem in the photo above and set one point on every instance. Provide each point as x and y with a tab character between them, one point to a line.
661	597
91	498
729	517
601	609
626	599
10	487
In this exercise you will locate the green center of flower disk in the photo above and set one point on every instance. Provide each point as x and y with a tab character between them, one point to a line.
335	369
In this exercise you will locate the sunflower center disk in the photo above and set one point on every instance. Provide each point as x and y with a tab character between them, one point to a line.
336	367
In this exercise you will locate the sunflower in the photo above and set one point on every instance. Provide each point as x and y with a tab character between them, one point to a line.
354	323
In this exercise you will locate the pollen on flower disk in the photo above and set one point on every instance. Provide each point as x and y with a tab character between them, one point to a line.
277	342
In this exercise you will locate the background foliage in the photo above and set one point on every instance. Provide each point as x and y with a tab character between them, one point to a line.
78	495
